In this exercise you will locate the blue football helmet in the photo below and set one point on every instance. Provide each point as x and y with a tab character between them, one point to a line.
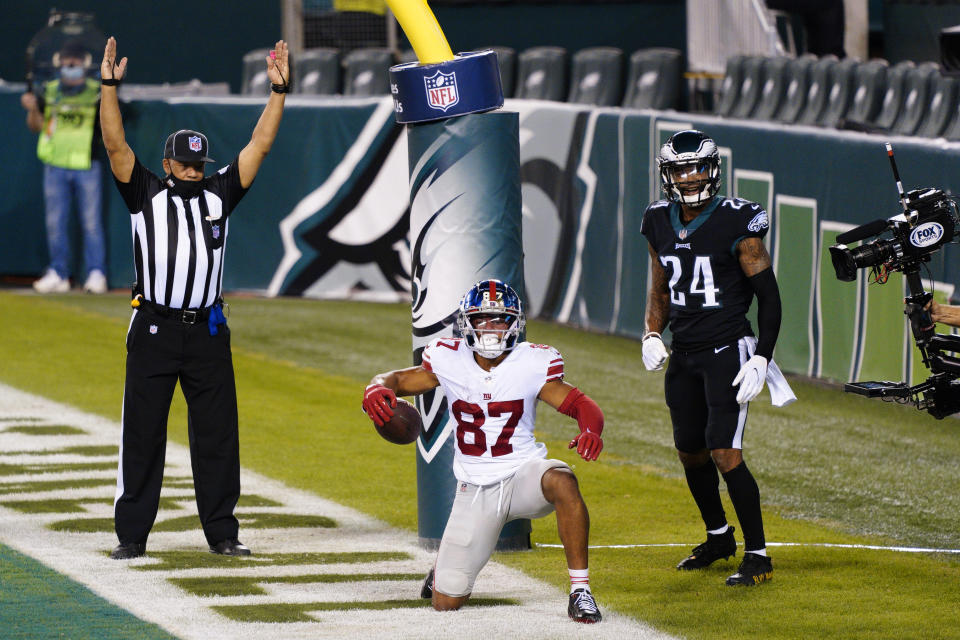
491	298
689	154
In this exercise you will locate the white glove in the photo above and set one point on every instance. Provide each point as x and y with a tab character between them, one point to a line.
751	377
654	353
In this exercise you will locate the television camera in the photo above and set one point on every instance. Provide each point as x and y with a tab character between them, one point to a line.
930	219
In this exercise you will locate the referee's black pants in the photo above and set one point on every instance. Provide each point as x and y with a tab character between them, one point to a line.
161	351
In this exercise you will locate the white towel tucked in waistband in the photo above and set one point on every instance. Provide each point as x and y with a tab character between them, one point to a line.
780	392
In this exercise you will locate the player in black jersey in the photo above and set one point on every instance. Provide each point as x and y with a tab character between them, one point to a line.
708	261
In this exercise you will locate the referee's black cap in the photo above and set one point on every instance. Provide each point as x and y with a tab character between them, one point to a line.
187	145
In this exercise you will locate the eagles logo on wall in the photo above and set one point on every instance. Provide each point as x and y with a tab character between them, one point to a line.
348	237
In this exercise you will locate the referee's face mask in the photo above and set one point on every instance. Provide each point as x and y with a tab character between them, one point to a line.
184	155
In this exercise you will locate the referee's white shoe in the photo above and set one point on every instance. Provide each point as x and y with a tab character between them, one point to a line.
51	282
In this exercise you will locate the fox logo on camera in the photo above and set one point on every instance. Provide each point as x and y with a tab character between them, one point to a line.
926	234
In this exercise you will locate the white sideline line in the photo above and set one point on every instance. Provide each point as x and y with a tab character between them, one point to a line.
829	545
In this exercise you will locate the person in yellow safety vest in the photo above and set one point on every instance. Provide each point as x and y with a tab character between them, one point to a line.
378	7
66	115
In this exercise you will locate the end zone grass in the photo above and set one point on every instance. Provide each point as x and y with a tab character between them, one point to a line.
831	468
27	589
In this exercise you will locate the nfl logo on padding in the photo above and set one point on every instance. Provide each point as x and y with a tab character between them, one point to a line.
442	90
195	144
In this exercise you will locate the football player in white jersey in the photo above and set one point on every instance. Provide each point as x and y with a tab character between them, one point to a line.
492	381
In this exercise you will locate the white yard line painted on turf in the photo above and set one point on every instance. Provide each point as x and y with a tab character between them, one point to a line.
152	597
828	545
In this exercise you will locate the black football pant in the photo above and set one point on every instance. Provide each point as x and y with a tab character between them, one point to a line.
160	352
705	415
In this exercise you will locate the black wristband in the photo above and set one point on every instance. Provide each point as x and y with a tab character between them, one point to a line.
110	82
280	88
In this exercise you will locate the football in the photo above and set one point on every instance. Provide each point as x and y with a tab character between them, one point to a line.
404	426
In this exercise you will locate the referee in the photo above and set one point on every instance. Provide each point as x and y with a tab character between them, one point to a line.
178	331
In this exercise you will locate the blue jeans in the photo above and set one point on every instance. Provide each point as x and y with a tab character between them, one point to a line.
60	187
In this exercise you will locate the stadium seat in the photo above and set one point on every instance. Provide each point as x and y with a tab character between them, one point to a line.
751	85
917	89
798	81
255	81
774	88
818	90
870	83
893	97
840	95
943	106
507	60
367	72
654	79
542	74
596	76
730	89
952	130
317	72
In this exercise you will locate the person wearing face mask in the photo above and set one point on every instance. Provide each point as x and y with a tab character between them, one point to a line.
65	116
178	331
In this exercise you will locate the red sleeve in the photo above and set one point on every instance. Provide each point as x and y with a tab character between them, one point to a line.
584	410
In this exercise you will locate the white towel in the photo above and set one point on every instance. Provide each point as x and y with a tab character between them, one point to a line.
780	392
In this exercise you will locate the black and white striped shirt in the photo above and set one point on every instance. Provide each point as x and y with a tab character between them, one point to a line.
178	245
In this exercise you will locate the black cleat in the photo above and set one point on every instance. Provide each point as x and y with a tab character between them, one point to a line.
753	570
230	548
583	608
426	591
128	551
721	545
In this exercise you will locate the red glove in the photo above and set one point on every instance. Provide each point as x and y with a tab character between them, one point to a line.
589	417
588	444
378	403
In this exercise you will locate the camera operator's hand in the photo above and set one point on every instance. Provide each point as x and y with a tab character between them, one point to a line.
751	377
945	313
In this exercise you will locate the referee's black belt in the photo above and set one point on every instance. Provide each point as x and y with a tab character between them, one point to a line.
186	316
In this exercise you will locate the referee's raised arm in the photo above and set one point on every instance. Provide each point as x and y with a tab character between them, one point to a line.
252	155
111	123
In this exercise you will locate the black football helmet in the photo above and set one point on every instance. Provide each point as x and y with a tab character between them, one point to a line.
689	154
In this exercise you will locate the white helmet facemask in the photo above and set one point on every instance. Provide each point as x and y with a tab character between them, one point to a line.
679	178
490	344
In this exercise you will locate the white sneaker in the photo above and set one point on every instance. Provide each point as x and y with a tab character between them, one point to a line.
51	282
96	282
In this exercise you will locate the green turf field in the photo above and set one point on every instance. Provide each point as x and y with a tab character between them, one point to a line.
832	468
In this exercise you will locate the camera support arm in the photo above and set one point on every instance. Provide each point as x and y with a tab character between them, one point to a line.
920	321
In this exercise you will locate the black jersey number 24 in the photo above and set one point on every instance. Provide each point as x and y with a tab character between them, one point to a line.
701	281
